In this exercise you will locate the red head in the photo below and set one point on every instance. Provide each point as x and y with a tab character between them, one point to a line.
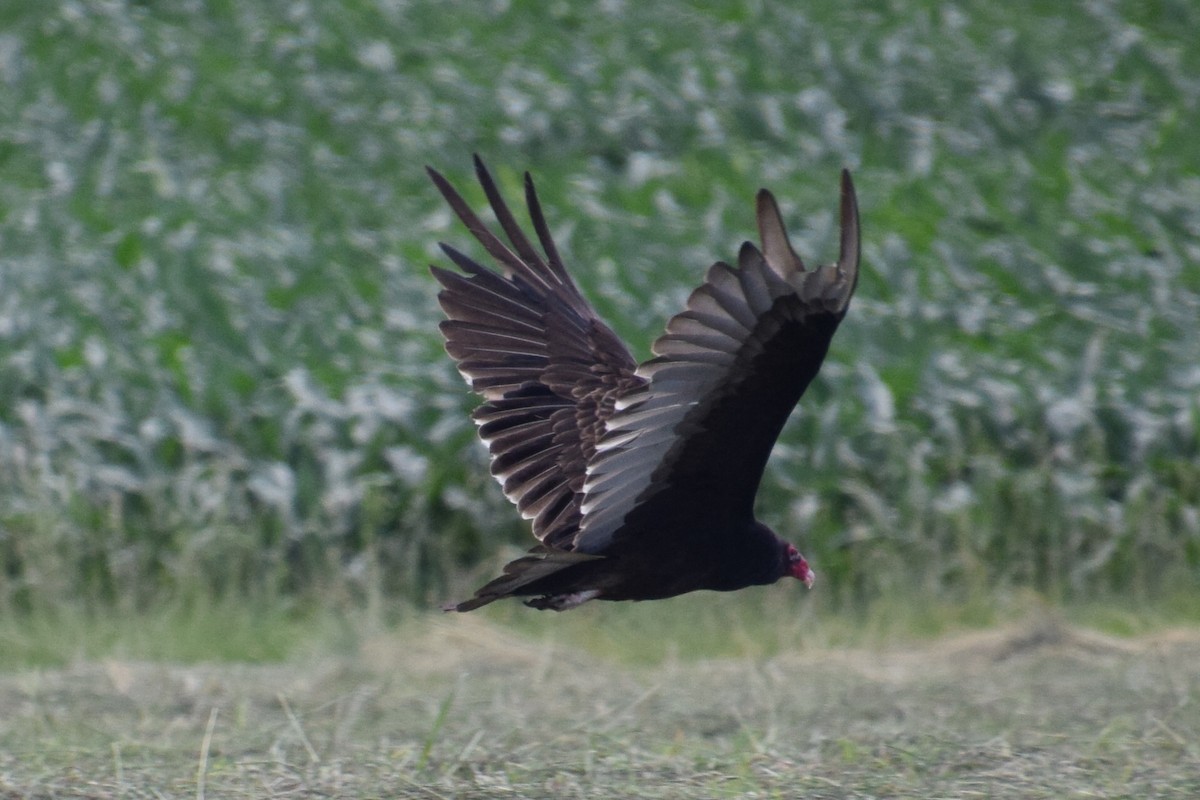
798	568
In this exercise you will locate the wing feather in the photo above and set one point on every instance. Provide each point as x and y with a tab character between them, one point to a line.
727	373
580	436
549	369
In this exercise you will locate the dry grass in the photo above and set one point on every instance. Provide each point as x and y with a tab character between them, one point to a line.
463	708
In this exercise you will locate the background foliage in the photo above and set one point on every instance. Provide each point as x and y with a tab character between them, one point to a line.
219	368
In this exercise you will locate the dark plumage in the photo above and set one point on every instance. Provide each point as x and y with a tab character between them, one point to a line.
639	480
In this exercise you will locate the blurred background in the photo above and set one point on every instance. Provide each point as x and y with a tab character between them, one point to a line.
220	373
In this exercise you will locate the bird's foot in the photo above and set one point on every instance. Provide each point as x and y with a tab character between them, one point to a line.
563	602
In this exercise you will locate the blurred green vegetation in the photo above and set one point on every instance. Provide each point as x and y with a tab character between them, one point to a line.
219	368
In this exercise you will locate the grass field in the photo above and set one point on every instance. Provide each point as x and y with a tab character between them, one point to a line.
464	708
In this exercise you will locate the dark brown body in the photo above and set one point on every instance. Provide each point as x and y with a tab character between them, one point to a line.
636	572
639	480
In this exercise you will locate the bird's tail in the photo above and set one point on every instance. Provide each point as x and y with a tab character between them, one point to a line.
520	574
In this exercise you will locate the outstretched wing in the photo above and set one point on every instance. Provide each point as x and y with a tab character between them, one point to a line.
549	369
728	372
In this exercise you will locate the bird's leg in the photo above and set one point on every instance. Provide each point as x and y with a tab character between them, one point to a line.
563	602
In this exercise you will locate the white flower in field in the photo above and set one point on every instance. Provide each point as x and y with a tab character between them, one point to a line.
1060	90
1190	517
94	352
1075	484
457	498
1067	415
392	405
152	429
61	179
409	465
343	491
377	55
308	396
1147	427
924	146
515	102
194	431
372	406
274	483
803	509
957	497
111	476
951	364
881	406
641	167
1003	399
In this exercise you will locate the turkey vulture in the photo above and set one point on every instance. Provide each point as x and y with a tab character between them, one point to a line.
639	479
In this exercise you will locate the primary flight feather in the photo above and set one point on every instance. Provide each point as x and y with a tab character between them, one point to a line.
639	479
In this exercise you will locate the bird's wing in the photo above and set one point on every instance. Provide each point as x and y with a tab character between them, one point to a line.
528	342
728	371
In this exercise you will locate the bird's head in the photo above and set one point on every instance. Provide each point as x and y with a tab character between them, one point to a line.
796	566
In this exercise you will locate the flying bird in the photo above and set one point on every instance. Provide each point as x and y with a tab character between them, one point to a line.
639	479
